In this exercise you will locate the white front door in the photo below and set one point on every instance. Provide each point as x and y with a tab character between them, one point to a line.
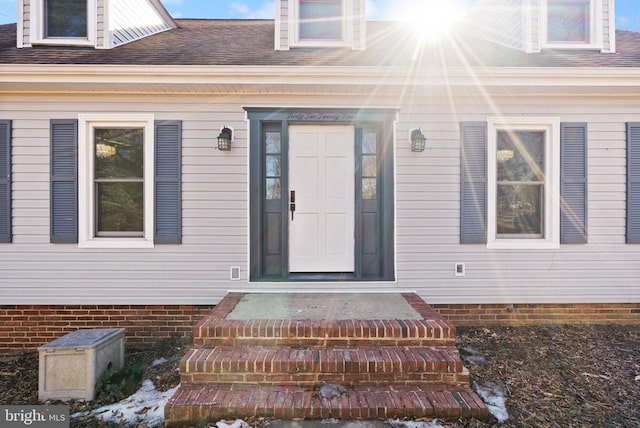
321	173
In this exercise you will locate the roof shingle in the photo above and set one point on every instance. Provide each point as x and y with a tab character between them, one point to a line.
251	43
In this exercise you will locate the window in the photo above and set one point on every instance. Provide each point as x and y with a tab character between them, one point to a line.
572	23
273	160
65	18
116	181
524	183
64	22
369	165
520	186
320	23
119	181
320	20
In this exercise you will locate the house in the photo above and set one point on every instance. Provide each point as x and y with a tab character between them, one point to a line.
150	165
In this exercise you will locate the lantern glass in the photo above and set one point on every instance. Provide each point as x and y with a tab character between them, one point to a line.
224	140
418	141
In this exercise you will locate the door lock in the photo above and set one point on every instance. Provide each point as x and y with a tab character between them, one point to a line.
292	203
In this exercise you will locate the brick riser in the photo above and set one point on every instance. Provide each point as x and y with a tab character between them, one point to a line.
325	333
216	330
211	403
310	367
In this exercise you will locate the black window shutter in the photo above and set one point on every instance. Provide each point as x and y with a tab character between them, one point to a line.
168	182
473	183
573	183
633	183
64	181
5	181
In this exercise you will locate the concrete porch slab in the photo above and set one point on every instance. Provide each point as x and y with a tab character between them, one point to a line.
314	306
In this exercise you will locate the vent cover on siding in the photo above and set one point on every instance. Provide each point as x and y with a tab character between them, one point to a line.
573	186
64	181
5	181
633	183
473	203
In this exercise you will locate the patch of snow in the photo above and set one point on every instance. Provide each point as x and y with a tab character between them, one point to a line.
331	391
413	424
145	407
493	396
472	356
159	362
330	421
238	423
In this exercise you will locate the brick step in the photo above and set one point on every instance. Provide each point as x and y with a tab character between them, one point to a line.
213	331
313	366
204	403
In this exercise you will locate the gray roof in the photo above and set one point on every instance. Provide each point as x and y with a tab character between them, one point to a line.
251	43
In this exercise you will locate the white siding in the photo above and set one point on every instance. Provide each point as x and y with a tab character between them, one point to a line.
536	16
24	21
101	30
133	20
359	25
215	208
608	27
282	25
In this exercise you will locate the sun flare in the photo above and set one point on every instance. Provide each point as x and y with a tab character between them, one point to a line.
433	18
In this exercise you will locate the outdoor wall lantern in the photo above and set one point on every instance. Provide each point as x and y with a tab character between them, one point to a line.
224	139
418	140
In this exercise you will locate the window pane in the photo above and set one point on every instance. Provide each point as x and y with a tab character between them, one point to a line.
520	210
321	19
119	153
369	188
520	156
568	21
66	18
369	166
120	207
274	189
273	166
272	142
369	143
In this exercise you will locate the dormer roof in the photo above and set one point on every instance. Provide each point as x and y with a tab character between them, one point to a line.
101	24
535	25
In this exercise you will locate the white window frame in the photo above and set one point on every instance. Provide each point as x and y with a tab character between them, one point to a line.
551	235
595	29
86	173
347	27
38	17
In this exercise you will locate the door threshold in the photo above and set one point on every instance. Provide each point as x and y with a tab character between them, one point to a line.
328	276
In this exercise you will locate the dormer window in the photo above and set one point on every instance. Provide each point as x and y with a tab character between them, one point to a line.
320	20
568	21
572	24
65	18
321	23
64	22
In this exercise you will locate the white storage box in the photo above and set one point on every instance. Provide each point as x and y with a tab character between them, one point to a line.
70	367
